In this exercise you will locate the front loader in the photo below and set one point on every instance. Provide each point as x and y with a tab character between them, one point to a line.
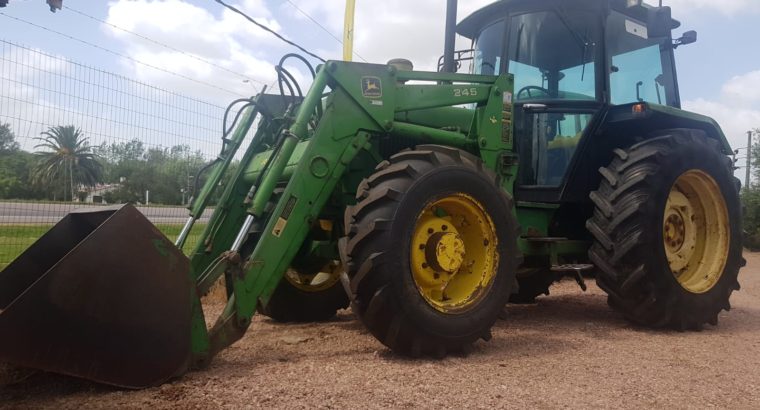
425	201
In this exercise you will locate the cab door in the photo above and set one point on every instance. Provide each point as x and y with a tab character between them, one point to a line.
553	55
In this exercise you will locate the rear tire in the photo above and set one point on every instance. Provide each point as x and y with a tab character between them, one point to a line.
667	229
386	232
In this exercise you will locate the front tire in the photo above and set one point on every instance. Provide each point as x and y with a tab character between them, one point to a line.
428	273
307	296
310	290
667	229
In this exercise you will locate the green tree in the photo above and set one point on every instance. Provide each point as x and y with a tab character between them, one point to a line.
755	149
7	139
167	173
16	168
751	200
67	161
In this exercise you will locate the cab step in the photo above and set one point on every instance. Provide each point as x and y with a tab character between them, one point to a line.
576	271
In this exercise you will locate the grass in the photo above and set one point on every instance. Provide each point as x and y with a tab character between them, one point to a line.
15	239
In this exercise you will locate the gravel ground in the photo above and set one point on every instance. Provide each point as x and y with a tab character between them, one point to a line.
569	350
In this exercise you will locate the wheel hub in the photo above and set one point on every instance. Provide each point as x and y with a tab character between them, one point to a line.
453	253
695	231
680	231
675	231
445	251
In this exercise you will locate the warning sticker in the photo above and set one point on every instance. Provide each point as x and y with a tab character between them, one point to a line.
282	221
279	227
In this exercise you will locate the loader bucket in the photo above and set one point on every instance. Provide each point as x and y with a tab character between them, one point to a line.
102	296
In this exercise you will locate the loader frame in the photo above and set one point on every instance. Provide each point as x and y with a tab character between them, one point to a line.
322	154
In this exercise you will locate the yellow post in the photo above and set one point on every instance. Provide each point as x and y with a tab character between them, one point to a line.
348	31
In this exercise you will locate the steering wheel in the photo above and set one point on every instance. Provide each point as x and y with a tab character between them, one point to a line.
527	90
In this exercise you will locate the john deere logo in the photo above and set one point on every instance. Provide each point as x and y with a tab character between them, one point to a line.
372	87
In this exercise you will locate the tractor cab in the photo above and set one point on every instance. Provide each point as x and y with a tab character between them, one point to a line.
571	59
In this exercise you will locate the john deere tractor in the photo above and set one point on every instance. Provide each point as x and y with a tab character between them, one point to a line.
425	200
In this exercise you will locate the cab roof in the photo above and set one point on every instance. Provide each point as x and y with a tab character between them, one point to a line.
474	23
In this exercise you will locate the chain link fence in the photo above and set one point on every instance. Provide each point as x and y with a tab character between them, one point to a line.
73	135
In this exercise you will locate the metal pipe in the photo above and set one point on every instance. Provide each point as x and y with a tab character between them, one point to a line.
185	232
243	233
449	65
310	102
203	197
273	175
430	135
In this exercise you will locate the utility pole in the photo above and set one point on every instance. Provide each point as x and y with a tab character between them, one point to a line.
749	158
348	31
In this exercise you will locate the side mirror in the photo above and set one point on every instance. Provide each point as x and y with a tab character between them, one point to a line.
689	37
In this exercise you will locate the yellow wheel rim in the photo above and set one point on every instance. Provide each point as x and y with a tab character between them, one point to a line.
696	231
453	253
322	280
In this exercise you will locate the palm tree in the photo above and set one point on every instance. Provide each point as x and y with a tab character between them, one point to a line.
67	161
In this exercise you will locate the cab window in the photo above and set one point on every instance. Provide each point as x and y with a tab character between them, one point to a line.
489	50
637	62
552	55
548	144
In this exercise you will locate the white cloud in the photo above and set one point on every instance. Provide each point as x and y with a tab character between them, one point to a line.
384	30
31	100
734	119
728	7
227	41
743	89
391	28
737	110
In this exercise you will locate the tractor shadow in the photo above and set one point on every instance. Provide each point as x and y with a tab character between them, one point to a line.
41	387
569	318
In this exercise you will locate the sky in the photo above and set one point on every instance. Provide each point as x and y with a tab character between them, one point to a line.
198	39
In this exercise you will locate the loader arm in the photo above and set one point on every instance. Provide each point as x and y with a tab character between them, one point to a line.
363	104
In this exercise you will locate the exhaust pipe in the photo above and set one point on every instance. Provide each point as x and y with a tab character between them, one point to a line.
449	65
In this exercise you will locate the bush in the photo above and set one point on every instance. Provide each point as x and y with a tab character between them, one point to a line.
751	207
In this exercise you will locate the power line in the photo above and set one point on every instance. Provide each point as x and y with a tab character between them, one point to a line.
121	55
323	27
164	45
270	30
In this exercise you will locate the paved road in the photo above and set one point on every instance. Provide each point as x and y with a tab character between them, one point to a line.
50	213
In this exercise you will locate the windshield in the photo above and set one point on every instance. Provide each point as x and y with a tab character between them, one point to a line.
489	50
552	55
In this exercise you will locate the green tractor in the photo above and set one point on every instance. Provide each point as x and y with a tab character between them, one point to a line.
424	200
